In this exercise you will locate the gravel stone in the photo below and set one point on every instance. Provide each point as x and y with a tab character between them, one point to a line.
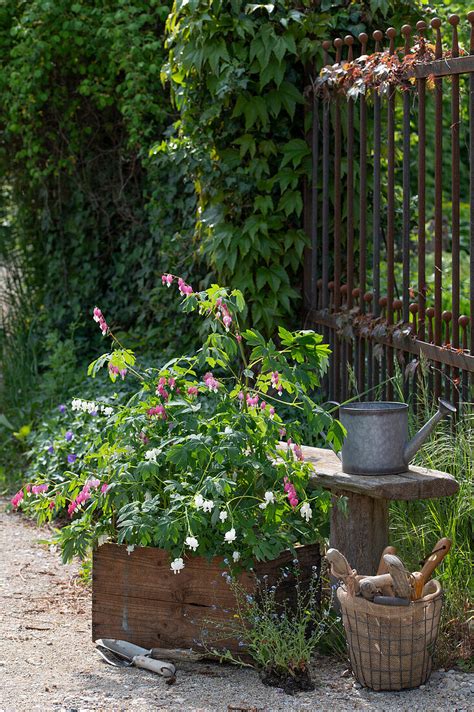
48	662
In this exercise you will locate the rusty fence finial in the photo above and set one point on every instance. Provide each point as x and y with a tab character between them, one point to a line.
363	39
326	47
349	41
436	25
406	32
338	43
454	22
378	37
391	34
470	18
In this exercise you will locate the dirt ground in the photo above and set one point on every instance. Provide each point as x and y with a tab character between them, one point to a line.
48	662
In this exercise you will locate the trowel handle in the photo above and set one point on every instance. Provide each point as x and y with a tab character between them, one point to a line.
383	568
437	555
162	668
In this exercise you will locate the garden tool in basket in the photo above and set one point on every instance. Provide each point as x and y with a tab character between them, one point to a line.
419	578
397	576
341	570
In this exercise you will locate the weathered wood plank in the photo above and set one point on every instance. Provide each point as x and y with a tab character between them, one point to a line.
416	483
137	598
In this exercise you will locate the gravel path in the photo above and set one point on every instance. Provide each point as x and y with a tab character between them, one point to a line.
47	659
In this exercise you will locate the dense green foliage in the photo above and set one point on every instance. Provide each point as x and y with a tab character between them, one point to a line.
86	217
238	73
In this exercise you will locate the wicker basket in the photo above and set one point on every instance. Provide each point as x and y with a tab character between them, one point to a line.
391	647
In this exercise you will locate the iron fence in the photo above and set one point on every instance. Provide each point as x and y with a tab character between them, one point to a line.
389	211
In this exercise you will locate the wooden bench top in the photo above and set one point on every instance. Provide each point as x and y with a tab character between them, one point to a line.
416	483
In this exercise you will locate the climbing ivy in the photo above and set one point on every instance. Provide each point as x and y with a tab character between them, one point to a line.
237	72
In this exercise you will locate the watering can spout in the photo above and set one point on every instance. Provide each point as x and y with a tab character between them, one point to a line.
444	408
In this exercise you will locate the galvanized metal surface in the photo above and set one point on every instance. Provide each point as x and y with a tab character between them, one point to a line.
377	437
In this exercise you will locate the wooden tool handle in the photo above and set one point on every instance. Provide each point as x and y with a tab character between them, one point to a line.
437	555
417	587
159	666
339	565
383	568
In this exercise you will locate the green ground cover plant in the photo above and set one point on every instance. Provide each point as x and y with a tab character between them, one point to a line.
279	637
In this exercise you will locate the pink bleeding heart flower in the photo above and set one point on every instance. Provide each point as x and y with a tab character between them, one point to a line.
93	482
193	391
158	410
104	488
38	489
17	498
252	401
211	382
298	452
184	288
72	508
52	504
167	279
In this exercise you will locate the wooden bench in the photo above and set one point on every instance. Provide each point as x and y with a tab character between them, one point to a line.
362	532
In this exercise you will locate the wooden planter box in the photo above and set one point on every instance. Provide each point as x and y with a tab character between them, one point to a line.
136	597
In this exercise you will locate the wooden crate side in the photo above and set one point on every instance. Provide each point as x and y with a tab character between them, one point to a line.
138	598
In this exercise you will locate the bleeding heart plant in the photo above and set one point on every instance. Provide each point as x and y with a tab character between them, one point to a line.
194	462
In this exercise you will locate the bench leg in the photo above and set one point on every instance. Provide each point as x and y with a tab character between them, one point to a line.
361	534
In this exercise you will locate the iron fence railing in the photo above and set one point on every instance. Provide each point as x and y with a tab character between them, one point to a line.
389	211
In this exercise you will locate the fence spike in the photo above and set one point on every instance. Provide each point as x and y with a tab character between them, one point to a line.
406	32
470	18
378	37
326	47
338	44
436	25
391	34
349	41
454	22
363	39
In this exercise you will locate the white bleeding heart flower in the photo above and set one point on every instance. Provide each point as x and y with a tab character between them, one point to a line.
230	536
177	565
192	542
306	511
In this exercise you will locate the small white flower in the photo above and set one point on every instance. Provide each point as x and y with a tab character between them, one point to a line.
148	496
198	501
223	515
269	499
130	548
208	505
151	455
230	536
108	411
306	511
236	556
192	542
177	565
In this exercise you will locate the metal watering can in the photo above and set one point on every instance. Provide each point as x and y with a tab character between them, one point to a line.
377	437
